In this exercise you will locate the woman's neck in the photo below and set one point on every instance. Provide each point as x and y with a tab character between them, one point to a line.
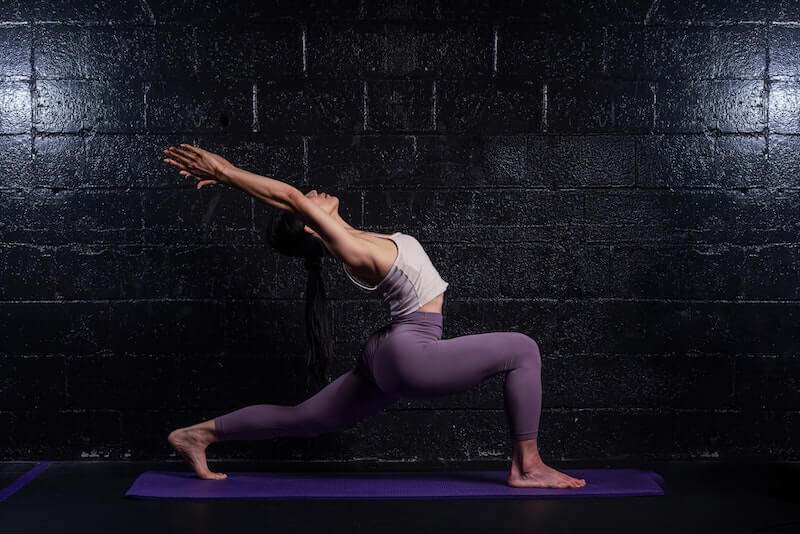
345	223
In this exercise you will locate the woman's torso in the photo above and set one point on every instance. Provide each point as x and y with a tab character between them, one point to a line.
386	252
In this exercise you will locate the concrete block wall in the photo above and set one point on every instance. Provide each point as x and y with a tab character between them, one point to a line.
618	180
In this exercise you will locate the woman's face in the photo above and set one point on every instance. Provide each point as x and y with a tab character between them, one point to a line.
327	202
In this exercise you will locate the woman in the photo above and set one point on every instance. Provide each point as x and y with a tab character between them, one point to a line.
405	359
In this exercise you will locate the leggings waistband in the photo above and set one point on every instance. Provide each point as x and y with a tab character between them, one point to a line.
416	317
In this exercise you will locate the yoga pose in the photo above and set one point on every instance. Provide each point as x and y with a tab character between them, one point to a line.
407	358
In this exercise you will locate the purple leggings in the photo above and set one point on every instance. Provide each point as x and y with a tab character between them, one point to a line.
406	359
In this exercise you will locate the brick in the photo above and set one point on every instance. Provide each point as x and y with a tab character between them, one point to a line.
79	216
488	106
346	50
745	327
730	106
462	161
94	272
783	162
698	12
32	382
53	327
432	49
15	42
623	327
551	13
564	270
143	162
529	51
15	11
15	107
312	107
60	51
124	11
27	272
166	326
71	105
211	213
402	10
399	105
249	53
784	97
16	162
691	53
599	106
92	381
205	107
674	161
154	52
767	382
580	161
772	272
60	161
266	327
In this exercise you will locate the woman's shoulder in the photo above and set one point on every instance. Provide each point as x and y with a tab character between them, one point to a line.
385	252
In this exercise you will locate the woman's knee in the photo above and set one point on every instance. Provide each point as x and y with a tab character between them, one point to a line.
526	348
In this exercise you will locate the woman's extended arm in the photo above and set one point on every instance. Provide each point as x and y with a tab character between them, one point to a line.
208	168
267	190
211	168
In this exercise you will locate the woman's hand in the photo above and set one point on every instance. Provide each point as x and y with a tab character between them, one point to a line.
194	162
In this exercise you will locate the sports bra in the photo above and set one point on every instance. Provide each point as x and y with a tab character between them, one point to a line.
412	280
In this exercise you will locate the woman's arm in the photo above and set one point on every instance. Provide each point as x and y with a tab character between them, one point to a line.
267	190
211	168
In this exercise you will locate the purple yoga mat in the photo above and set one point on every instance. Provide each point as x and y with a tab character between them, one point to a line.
386	485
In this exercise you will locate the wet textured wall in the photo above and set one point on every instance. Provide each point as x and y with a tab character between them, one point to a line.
618	180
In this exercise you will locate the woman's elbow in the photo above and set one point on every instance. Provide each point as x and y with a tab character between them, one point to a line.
287	200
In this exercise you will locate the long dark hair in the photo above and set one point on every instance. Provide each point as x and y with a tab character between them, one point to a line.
287	236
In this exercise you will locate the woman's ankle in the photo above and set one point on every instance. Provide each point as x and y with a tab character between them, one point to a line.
525	455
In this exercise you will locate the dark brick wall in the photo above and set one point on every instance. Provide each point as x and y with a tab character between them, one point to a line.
619	180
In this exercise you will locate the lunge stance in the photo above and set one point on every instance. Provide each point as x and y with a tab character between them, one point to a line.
405	359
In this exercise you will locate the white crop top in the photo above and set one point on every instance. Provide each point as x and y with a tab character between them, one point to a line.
412	280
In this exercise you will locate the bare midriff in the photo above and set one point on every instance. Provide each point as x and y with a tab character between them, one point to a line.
386	254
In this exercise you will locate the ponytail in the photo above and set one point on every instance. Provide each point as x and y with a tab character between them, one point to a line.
287	236
318	328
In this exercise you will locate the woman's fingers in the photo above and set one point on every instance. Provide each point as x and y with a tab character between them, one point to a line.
176	158
188	154
174	163
195	150
178	155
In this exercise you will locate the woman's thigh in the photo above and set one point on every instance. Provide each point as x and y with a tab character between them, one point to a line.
412	367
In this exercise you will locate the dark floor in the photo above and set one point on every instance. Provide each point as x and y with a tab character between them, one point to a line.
699	497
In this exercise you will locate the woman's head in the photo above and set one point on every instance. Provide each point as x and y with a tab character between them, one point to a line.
287	236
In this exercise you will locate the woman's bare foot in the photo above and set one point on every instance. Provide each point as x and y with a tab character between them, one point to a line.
544	477
529	471
191	443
